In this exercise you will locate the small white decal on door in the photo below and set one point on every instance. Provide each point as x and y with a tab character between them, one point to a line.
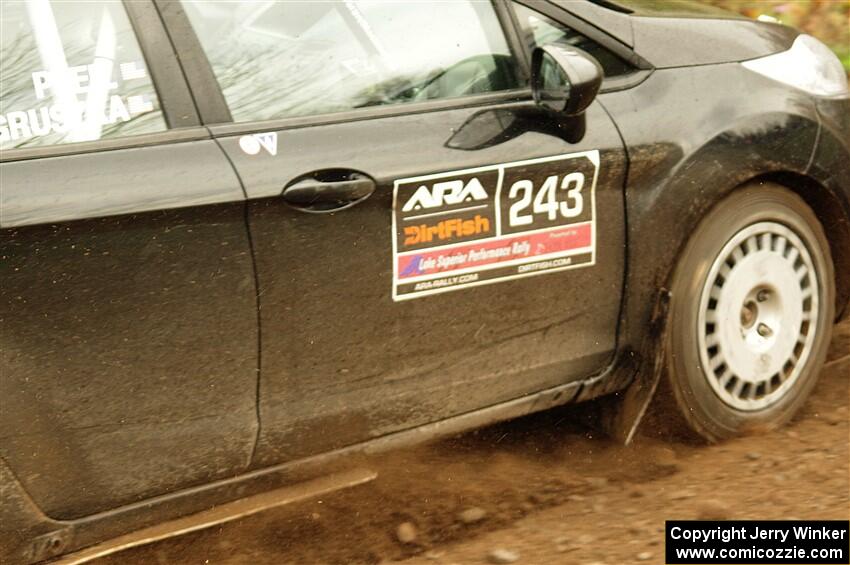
254	143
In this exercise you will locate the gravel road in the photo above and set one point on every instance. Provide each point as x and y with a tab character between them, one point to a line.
543	489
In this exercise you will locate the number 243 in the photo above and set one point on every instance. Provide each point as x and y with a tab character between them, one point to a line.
546	200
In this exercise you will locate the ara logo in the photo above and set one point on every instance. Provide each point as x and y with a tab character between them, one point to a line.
254	143
448	192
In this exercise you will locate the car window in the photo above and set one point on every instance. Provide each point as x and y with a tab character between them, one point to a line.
71	71
282	59
538	30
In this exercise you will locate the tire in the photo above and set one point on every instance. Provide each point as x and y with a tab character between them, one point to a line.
751	314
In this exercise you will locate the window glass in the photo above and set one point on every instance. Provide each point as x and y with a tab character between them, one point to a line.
538	30
71	71
281	59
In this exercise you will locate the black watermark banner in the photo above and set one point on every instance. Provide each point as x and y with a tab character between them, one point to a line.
817	542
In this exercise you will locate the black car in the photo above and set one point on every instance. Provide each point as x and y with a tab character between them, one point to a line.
241	241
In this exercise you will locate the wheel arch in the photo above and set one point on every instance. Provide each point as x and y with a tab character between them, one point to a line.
677	175
642	362
831	209
834	216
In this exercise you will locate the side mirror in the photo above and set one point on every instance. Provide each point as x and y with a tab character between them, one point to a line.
564	78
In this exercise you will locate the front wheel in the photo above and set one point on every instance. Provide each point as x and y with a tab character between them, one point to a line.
751	314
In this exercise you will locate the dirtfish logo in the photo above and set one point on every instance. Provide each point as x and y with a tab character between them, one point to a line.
446	193
447	229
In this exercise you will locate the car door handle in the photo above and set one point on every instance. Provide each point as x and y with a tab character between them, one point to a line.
327	191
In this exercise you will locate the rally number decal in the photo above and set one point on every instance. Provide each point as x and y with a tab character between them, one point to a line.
526	187
485	225
546	200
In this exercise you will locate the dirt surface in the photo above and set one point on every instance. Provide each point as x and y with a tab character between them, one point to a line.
543	489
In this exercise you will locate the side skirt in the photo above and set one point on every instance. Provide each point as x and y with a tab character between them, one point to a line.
155	518
221	514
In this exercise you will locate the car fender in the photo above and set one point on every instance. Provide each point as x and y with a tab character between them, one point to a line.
668	195
830	168
663	211
693	136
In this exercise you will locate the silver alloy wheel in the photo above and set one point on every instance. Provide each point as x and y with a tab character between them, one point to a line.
758	313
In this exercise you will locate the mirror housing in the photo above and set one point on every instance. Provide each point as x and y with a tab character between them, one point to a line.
564	78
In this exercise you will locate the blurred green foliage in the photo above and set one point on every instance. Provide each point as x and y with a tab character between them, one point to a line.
828	20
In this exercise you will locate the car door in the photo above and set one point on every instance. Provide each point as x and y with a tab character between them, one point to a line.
428	242
127	304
